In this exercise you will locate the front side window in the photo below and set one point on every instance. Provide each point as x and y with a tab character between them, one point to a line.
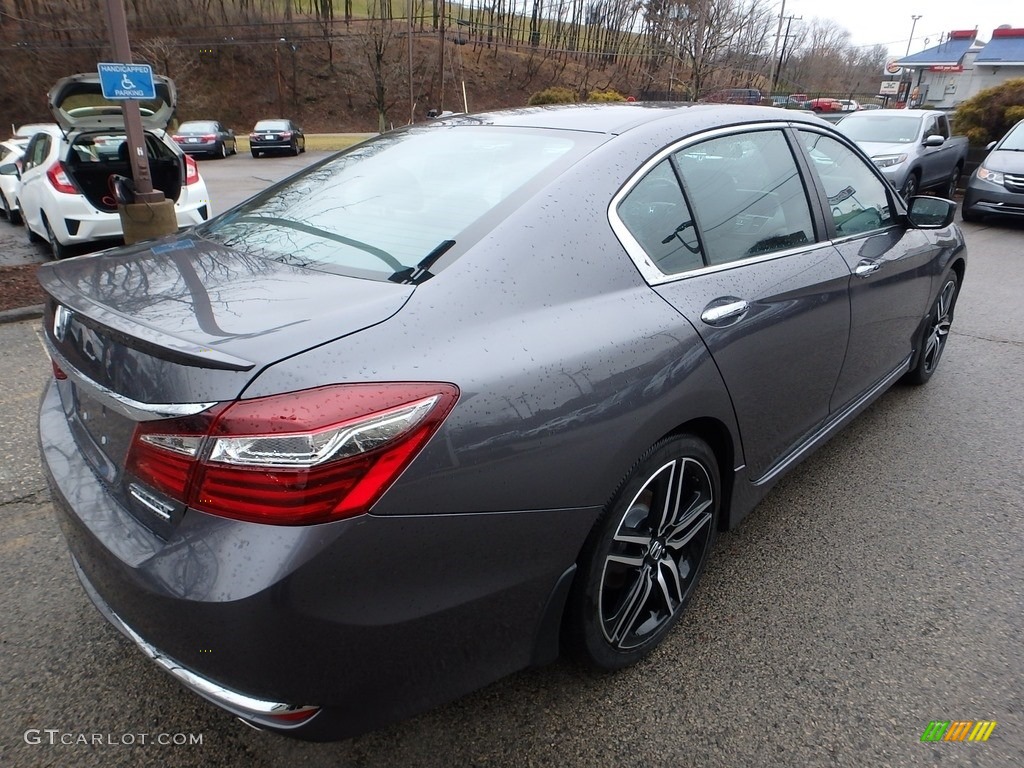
858	201
747	195
390	205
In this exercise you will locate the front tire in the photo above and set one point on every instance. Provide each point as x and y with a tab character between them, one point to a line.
935	332
12	216
644	556
969	215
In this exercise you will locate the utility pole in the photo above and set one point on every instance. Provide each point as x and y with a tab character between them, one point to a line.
910	75
782	55
775	49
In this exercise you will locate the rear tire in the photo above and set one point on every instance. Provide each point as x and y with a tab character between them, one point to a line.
295	149
909	188
645	555
223	151
936	331
255	153
58	250
952	184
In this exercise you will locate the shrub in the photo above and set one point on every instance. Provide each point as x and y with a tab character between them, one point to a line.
989	114
554	95
605	96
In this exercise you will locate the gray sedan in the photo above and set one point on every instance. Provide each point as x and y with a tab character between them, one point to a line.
472	394
206	137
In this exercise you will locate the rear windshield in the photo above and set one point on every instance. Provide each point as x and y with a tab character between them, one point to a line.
271	125
392	205
197	127
886	129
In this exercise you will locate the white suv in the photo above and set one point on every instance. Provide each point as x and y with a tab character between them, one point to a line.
67	186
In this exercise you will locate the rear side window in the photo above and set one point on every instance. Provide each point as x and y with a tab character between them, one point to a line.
659	219
384	207
747	194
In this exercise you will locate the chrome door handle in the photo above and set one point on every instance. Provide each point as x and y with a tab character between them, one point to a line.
865	268
719	313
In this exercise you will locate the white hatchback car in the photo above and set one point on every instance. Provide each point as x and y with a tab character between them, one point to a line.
11	152
68	174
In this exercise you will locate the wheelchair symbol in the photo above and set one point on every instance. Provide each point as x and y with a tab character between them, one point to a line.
126	83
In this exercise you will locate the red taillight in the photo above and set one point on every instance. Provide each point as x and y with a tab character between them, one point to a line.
298	458
179	139
191	171
285	134
59	179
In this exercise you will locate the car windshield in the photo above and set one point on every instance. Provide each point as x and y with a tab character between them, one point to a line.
886	129
1014	140
197	126
388	208
271	125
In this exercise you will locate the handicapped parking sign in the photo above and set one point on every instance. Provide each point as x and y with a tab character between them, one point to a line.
126	81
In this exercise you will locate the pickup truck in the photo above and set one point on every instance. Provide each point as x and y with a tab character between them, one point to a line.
912	147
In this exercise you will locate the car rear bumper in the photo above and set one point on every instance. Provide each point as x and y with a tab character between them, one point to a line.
372	619
262	145
79	223
201	148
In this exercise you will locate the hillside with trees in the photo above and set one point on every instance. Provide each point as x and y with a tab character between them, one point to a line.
358	65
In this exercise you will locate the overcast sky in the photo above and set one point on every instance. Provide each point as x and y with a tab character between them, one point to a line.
888	22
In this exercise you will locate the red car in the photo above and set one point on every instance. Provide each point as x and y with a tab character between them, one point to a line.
825	105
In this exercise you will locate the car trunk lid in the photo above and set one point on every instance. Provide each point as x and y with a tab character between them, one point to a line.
184	320
77	102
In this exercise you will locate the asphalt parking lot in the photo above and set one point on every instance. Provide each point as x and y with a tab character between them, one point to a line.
877	588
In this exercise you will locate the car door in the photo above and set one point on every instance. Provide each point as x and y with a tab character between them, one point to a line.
739	256
890	262
33	181
937	161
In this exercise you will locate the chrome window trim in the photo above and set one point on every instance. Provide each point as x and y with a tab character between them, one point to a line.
126	406
638	255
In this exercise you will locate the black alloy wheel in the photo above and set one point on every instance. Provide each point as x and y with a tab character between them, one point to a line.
936	331
644	557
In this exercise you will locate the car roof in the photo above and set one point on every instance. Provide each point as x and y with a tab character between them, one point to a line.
621	117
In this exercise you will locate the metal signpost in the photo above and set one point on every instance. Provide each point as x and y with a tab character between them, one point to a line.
151	215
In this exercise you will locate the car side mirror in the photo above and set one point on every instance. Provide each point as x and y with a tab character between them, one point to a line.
934	140
931	212
988	147
9	169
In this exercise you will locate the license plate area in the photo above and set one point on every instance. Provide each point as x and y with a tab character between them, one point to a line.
104	434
